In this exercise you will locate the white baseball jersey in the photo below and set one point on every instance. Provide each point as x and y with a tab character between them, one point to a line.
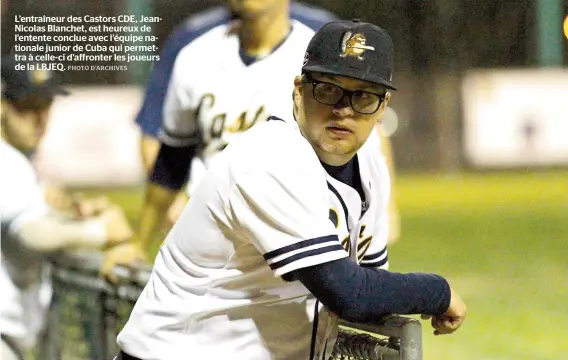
26	290
265	208
218	97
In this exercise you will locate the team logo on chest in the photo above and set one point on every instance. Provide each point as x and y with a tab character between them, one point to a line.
363	240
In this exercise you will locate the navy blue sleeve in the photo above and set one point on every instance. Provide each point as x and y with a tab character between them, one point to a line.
149	118
366	295
172	166
311	16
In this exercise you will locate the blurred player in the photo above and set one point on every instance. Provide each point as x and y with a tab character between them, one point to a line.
287	232
228	76
28	229
149	118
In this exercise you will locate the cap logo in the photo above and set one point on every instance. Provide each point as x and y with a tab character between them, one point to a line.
354	45
39	76
306	58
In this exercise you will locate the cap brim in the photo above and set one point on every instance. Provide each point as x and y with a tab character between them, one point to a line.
341	71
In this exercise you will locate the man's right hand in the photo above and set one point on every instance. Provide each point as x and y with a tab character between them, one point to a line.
452	319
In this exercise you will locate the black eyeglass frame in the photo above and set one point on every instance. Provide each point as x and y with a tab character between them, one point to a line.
345	93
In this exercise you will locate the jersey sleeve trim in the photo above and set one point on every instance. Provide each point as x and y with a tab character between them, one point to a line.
275	254
281	263
305	253
375	256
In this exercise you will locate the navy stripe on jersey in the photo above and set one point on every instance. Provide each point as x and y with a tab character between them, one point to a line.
375	260
373	257
299	245
150	116
345	211
375	264
302	255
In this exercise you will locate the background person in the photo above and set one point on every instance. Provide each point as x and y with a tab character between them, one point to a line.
29	229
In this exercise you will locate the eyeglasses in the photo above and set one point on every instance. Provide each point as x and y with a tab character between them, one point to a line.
363	102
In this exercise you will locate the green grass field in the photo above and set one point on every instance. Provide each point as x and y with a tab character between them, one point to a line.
502	241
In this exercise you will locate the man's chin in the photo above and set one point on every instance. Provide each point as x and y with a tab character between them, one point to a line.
339	147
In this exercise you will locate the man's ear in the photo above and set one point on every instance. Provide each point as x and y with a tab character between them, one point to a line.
297	94
381	111
387	99
298	82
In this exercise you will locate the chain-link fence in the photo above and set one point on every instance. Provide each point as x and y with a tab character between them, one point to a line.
88	312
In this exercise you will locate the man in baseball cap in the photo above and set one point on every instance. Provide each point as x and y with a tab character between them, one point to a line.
360	51
287	232
18	84
27	96
345	87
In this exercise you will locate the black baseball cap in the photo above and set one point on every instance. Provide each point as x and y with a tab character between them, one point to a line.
354	49
19	84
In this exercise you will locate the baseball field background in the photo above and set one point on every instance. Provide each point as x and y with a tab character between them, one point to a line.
501	239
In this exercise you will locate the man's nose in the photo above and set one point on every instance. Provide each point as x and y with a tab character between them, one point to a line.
343	108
